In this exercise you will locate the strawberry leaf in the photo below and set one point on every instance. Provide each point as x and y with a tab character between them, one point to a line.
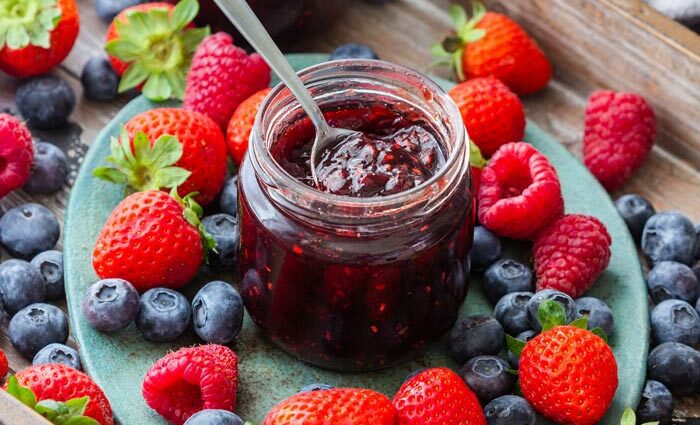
70	412
475	158
28	22
24	394
515	345
134	76
458	15
551	314
184	13
81	420
157	88
630	418
581	323
599	332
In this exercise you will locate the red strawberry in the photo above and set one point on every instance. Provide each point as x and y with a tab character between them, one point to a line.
571	253
60	383
192	379
16	154
618	135
520	193
151	46
491	112
4	366
36	35
492	45
241	125
152	239
437	396
339	406
222	76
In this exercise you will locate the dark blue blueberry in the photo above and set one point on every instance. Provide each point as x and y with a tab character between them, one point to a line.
100	81
696	270
353	51
486	248
164	314
108	9
475	335
506	276
672	280
315	387
50	266
21	284
509	410
229	197
110	304
45	102
669	236
549	294
677	366
599	314
675	321
29	229
49	171
217	312
635	210
36	326
514	360
224	229
511	312
58	353
656	404
214	417
488	377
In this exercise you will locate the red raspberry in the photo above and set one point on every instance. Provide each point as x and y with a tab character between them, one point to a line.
192	379
520	193
221	77
618	135
16	154
571	254
4	366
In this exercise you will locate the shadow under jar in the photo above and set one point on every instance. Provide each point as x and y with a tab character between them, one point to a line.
356	282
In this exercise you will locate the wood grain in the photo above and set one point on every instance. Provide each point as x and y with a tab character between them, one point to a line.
12	412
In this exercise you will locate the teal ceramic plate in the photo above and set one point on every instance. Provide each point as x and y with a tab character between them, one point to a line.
118	362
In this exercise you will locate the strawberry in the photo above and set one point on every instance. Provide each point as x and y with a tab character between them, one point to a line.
16	154
490	44
338	406
4	366
221	77
241	124
152	239
36	35
491	112
187	150
61	394
151	46
190	380
437	396
618	135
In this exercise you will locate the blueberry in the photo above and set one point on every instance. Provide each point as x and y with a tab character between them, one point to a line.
514	360
229	197
50	170
50	266
315	387
675	321
697	241
28	230
677	366
36	326
511	312
100	81
669	236
599	314
549	294
486	248
45	102
506	276
656	404
224	229
108	9
21	284
488	377
58	353
164	314
353	51
214	417
110	304
475	335
672	280
635	210
217	312
509	410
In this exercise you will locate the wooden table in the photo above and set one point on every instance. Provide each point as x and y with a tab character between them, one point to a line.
618	44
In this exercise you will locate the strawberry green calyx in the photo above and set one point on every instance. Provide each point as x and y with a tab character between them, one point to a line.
476	159
630	418
193	213
451	49
25	22
158	44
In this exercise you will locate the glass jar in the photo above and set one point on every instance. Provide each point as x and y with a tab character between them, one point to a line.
350	283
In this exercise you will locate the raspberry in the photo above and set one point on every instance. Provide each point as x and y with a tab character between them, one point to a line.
192	379
618	135
16	154
520	193
4	367
571	254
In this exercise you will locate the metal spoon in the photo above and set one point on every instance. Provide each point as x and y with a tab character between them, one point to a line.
248	24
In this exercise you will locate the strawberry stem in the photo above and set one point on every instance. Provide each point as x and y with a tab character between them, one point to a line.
25	22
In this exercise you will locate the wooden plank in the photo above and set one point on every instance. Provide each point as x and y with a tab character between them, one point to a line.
12	412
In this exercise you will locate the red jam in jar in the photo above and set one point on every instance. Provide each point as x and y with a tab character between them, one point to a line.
373	264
